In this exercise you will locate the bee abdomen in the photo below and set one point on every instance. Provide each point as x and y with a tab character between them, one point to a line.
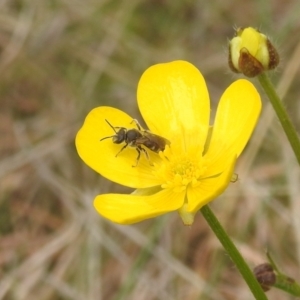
153	146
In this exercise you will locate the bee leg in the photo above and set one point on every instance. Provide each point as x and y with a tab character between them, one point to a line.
147	155
138	149
136	123
166	158
121	150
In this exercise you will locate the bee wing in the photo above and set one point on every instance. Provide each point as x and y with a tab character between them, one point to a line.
156	137
142	140
153	141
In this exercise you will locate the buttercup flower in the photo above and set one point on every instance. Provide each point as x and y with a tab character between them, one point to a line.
251	52
198	163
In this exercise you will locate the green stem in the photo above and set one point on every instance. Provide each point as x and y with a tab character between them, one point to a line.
233	253
287	284
284	282
282	115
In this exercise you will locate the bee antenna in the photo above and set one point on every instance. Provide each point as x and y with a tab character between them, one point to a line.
110	126
107	137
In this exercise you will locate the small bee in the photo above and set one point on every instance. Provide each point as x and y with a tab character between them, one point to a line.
137	138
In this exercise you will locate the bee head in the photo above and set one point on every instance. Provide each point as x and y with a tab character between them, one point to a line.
120	136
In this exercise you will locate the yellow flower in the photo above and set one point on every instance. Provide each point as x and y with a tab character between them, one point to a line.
251	52
196	167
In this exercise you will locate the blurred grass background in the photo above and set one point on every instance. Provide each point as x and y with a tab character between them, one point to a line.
60	59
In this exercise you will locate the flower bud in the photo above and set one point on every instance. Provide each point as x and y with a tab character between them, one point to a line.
265	275
251	53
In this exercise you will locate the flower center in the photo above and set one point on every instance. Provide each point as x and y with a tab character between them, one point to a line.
177	171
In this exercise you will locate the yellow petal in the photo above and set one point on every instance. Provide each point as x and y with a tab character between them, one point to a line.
234	53
129	209
236	117
101	155
250	40
174	102
210	188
